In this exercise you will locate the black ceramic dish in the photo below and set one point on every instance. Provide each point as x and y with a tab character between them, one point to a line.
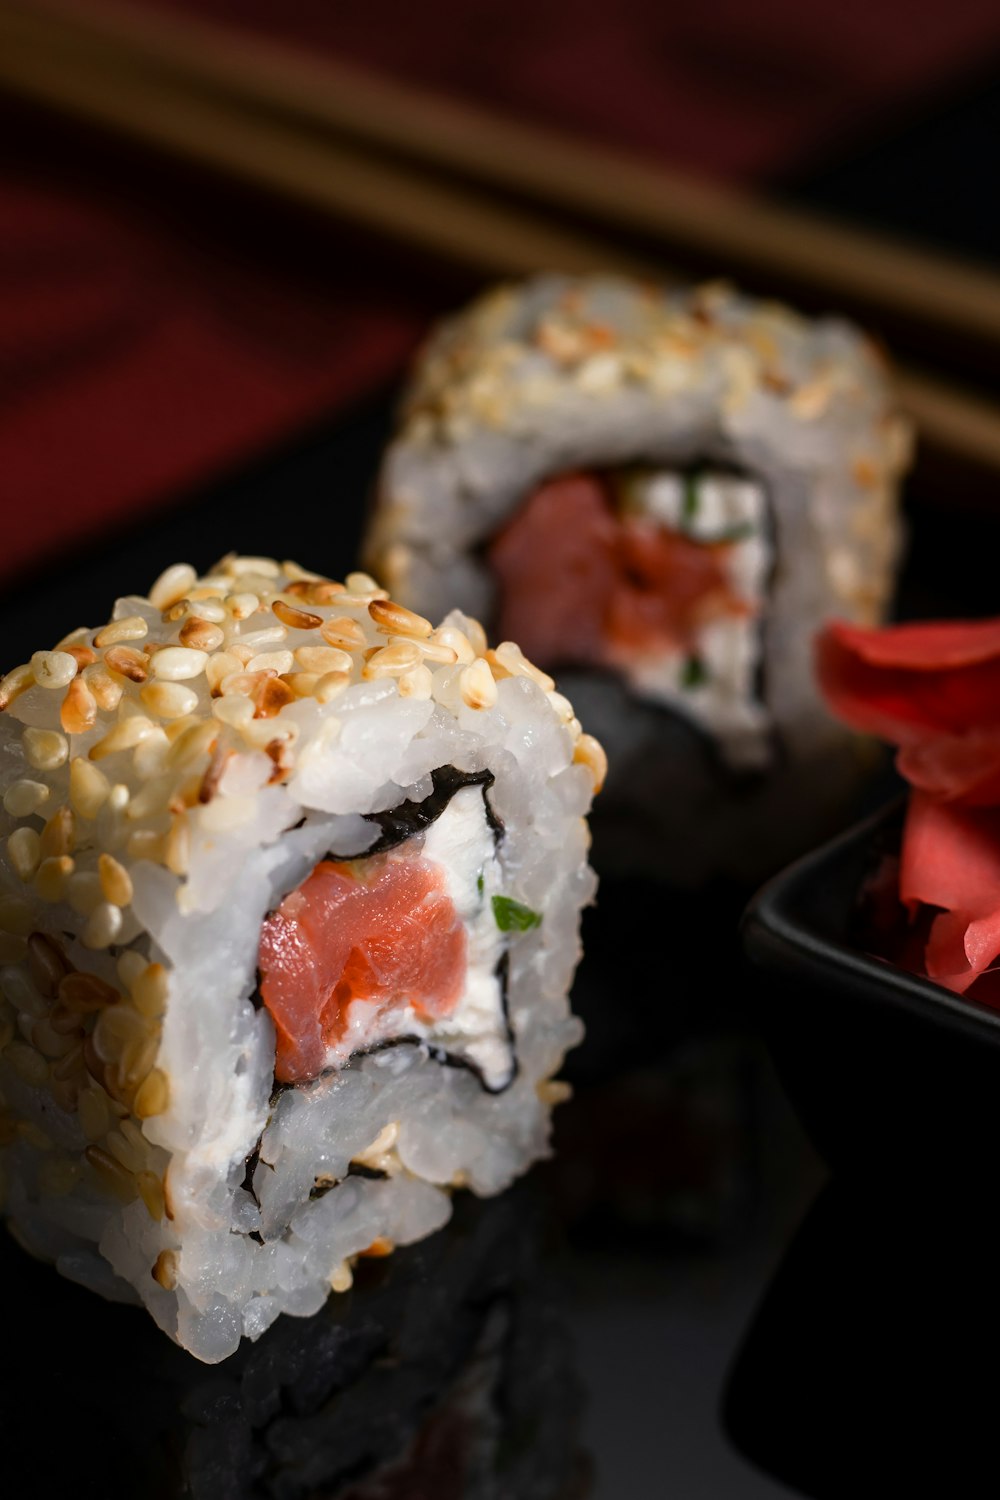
890	1073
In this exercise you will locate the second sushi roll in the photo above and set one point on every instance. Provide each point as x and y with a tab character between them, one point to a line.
662	496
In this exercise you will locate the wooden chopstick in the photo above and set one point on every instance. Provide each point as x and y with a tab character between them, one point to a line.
330	176
108	85
720	226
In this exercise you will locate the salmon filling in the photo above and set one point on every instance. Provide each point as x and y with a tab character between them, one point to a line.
347	947
581	584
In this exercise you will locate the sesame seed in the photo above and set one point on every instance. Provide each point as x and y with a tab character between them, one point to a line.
107	692
433	650
271	661
476	635
272	698
22	798
84	656
513	662
477	686
590	753
265	566
24	852
392	661
151	1192
302	684
59	834
341	1278
51	877
149	990
14	684
295	618
126	734
178	663
165	1269
172	584
116	882
206	609
83	891
220	666
330	686
111	1172
456	640
84	993
131	628
88	788
169	700
418	683
252	640
47	964
233	710
242	606
45	749
320	659
130	965
53	669
79	708
127	662
343	632
103	926
394	619
202	635
177	848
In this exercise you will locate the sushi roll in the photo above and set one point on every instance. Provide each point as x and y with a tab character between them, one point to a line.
290	885
661	497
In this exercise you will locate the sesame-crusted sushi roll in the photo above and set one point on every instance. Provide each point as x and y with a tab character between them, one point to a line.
290	885
661	497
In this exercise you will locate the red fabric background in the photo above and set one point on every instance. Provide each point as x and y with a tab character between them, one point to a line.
152	332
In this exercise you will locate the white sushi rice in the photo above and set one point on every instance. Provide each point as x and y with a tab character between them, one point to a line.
566	374
145	838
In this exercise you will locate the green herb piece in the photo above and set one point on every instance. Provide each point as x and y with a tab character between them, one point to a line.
693	672
738	533
512	916
480	883
691	501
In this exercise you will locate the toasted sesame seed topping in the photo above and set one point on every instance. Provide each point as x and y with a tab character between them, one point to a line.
295	618
172	584
127	662
392	661
103	926
53	669
116	882
22	798
343	632
79	708
477	686
14	684
165	1270
169	700
24	850
131	628
590	753
201	634
179	663
393	619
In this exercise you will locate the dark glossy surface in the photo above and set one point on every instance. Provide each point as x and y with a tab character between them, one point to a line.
888	1071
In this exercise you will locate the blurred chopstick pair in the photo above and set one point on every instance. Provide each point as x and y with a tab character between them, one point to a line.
485	192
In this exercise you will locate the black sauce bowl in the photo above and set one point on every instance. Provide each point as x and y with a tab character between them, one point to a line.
890	1073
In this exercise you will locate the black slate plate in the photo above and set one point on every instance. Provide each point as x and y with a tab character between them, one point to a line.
889	1073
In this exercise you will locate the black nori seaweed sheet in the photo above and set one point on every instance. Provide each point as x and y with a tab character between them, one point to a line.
401	823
